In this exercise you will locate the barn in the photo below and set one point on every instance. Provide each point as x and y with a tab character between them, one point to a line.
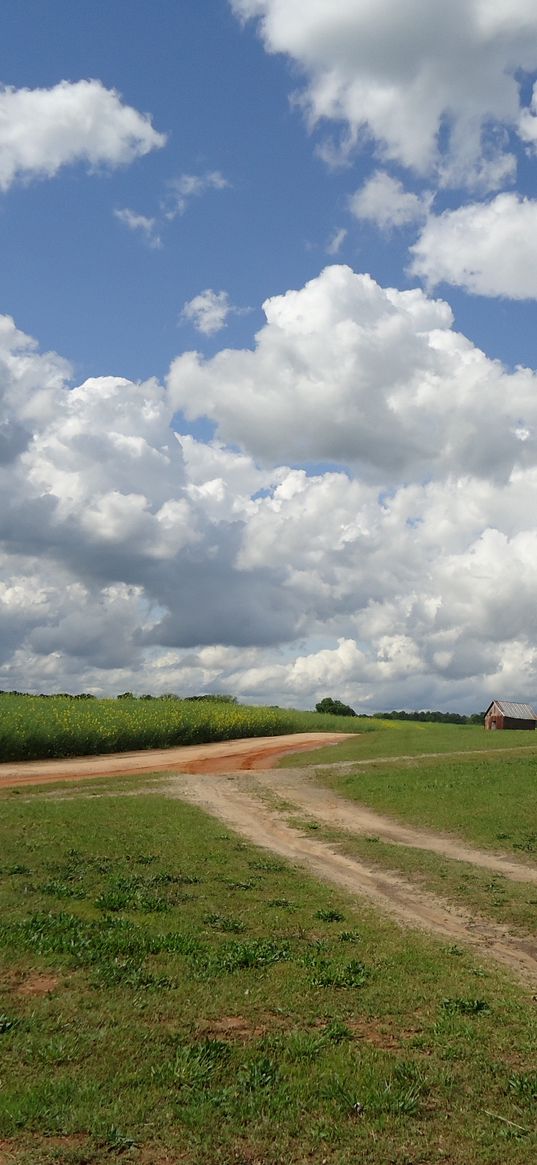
505	714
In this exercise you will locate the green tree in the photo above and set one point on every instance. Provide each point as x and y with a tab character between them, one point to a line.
334	707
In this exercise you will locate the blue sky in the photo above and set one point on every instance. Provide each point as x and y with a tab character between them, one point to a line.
351	492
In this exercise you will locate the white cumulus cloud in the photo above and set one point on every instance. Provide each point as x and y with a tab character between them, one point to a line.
435	85
349	372
42	130
489	248
132	557
384	201
208	311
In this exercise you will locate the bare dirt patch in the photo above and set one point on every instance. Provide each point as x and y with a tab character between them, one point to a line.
11	1148
38	984
233	1027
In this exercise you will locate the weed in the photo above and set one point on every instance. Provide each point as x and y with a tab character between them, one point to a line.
353	974
337	1031
268	865
165	879
304	1045
330	915
113	900
194	1065
466	1006
524	1084
343	1092
256	1074
225	923
282	903
528	844
56	889
349	936
256	953
117	1142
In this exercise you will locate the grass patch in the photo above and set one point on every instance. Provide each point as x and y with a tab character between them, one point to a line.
397	738
136	1034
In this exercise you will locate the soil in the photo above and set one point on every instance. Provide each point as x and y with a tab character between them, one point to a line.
38	985
194	758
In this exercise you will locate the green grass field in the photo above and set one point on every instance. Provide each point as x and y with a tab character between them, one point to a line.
33	727
397	738
169	993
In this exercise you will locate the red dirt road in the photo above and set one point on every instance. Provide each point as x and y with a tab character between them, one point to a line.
225	756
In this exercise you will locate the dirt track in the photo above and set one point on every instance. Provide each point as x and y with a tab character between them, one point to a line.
231	799
321	804
203	778
194	758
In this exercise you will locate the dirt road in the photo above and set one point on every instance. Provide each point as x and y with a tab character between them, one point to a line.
232	800
194	758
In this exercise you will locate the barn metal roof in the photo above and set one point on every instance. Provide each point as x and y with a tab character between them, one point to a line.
516	711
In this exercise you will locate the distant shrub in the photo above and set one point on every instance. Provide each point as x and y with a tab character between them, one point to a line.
331	707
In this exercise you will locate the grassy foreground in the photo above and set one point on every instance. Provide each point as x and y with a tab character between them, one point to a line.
34	727
168	993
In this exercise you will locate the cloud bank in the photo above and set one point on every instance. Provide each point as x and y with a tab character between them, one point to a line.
134	557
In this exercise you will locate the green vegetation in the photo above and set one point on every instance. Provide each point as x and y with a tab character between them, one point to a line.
168	992
33	727
334	707
490	800
395	738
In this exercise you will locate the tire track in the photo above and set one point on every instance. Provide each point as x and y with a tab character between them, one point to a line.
227	798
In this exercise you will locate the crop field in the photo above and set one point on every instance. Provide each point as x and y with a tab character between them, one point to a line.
35	727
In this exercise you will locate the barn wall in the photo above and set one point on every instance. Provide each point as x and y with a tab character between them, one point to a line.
528	725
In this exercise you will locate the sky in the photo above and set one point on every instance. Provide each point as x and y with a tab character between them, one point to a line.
268	388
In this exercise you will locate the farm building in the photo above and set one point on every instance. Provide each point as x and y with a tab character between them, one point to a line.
504	714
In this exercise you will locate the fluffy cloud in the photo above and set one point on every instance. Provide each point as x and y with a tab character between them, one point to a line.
134	557
402	73
208	311
42	130
489	248
383	200
346	371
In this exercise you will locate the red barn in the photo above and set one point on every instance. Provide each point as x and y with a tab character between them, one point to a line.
504	714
